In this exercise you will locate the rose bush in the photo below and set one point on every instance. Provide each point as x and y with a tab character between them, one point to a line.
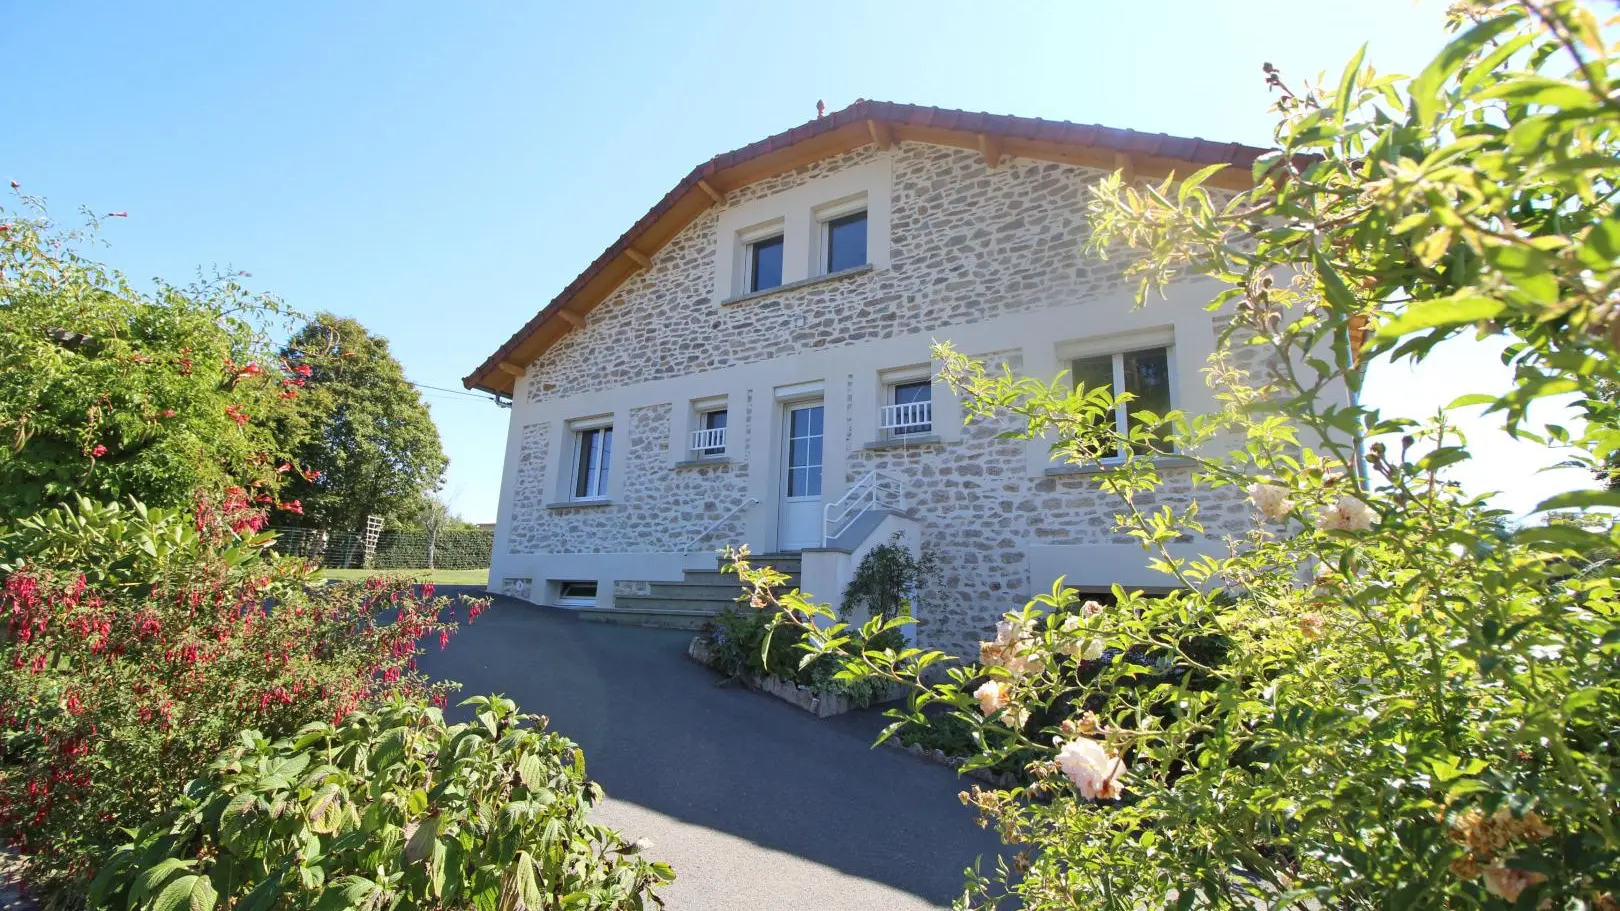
1387	694
119	684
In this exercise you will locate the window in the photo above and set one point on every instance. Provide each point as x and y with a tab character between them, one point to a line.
845	242
910	409
765	263
593	452
576	594
710	437
804	450
1145	374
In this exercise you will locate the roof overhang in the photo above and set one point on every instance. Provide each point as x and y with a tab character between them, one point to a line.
995	136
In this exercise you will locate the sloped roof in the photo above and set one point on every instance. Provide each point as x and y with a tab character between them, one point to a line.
997	136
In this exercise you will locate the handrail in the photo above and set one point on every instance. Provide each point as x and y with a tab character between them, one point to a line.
746	504
873	490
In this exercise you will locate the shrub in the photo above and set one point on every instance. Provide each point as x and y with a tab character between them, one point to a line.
738	647
886	581
112	692
1385	696
392	810
111	392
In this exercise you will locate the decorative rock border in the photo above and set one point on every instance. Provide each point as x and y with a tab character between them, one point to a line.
821	705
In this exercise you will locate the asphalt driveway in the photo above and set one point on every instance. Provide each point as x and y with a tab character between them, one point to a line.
758	806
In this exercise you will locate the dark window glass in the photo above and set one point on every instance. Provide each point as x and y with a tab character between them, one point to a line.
765	264
913	420
846	242
1147	379
1098	373
714	420
591	470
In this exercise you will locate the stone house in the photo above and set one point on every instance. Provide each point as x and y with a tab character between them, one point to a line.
750	363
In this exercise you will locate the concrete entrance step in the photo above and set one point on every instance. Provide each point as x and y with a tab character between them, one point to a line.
729	580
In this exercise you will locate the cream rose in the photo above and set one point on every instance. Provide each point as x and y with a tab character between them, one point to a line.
1092	769
1270	499
1348	514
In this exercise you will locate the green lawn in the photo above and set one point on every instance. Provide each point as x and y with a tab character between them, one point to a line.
436	576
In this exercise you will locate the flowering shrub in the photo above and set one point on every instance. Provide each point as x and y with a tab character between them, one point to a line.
112	392
388	810
745	642
1385	695
117	685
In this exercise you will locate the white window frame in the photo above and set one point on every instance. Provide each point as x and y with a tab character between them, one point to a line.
746	239
888	381
602	469
827	214
1117	358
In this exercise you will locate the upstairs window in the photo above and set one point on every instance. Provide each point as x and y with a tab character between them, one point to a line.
845	242
1144	373
765	263
709	439
910	408
593	452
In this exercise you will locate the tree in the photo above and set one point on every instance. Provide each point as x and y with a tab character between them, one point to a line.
369	446
1383	698
111	392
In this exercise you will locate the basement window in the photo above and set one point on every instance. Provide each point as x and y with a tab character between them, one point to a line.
576	594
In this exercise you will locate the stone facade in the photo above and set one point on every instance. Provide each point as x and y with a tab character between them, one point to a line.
967	245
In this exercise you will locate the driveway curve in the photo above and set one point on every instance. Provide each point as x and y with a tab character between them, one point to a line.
758	805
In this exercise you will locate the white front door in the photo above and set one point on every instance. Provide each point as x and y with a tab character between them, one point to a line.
800	515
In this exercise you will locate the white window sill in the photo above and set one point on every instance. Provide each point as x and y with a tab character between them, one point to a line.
907	441
801	283
580	504
702	461
1111	464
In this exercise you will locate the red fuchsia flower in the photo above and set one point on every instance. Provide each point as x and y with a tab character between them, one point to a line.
444	639
98	452
168	413
294	507
185	366
427	590
249	370
312	476
283	468
289	394
303	370
235	413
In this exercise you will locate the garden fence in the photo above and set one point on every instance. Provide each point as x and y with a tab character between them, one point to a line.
460	548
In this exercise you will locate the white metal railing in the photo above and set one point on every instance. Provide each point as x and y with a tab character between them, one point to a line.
715	525
707	440
911	417
875	490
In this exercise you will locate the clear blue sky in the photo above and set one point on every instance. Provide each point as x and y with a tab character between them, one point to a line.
440	171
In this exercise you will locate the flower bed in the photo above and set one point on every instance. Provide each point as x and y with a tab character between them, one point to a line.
821	703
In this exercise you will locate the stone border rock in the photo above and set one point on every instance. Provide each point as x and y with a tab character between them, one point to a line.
821	705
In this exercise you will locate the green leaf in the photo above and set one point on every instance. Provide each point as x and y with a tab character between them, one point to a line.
1579	499
264	895
530	771
348	892
1441	313
176	893
1347	82
1425	88
528	887
203	896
